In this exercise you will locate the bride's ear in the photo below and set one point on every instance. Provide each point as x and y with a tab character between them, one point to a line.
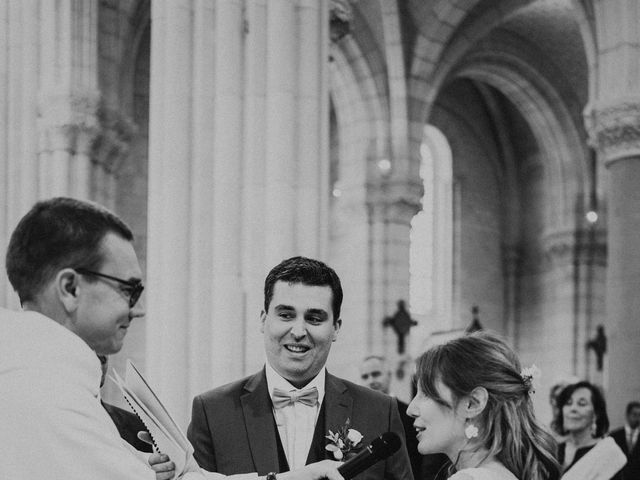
474	403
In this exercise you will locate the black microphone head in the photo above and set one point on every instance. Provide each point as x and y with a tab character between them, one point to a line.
385	445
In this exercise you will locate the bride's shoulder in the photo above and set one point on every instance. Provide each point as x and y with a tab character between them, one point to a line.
494	472
462	476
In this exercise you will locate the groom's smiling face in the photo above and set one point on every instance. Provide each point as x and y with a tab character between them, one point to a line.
298	330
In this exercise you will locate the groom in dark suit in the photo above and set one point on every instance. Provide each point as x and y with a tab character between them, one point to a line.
278	418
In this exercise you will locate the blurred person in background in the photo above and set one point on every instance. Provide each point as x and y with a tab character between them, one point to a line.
627	439
582	418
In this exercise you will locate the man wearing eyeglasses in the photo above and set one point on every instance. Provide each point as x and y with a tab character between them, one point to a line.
77	275
75	270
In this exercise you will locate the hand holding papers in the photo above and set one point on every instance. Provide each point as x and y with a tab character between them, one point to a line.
167	436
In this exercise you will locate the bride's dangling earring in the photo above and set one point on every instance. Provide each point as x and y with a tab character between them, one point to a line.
594	427
470	431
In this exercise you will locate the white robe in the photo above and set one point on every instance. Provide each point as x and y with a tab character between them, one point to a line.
52	425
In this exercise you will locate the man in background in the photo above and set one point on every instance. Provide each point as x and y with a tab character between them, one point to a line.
376	374
627	438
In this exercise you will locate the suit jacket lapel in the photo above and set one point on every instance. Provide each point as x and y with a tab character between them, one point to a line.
338	402
260	425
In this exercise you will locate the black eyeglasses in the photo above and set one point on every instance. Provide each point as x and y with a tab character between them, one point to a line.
135	287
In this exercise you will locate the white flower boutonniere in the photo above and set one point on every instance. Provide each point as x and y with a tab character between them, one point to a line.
343	441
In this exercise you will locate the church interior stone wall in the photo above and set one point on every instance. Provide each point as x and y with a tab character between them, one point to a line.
234	133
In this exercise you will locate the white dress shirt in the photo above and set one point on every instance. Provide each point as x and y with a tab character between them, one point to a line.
631	434
296	422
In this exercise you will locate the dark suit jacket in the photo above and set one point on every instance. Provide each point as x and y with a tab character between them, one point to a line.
128	425
631	471
233	431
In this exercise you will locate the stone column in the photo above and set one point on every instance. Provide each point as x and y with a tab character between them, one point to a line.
18	122
227	334
511	259
69	96
230	124
281	163
253	178
194	320
391	206
49	96
617	129
313	118
172	228
613	121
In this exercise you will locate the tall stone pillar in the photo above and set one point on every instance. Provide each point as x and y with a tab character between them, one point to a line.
194	320
313	117
69	96
613	119
285	159
296	119
391	206
511	260
237	150
281	131
617	129
49	98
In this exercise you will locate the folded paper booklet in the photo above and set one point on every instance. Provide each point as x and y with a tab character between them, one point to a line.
600	463
165	433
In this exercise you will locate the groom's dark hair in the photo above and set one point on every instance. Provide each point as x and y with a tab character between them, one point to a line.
308	272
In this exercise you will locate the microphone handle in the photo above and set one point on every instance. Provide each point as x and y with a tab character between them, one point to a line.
358	464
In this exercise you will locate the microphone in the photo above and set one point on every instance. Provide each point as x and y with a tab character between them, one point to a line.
382	447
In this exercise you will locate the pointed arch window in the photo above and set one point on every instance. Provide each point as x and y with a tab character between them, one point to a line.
432	234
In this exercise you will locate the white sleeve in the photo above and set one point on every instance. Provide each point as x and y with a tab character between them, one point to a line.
56	430
600	463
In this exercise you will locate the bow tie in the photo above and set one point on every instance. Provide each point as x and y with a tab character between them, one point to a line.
282	398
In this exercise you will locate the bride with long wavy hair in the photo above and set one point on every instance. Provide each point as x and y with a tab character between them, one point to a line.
474	404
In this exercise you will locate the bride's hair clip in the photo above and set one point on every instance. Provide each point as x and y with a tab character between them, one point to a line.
530	377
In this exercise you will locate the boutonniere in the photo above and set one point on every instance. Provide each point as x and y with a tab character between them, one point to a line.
344	440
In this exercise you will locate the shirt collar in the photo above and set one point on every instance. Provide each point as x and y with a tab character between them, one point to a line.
275	380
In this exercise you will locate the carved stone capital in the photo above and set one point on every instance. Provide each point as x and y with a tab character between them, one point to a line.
558	249
111	146
340	18
395	202
614	129
584	246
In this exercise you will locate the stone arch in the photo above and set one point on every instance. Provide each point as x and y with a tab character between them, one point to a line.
360	106
437	222
440	47
551	124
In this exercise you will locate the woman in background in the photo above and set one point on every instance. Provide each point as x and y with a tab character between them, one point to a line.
582	417
473	404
